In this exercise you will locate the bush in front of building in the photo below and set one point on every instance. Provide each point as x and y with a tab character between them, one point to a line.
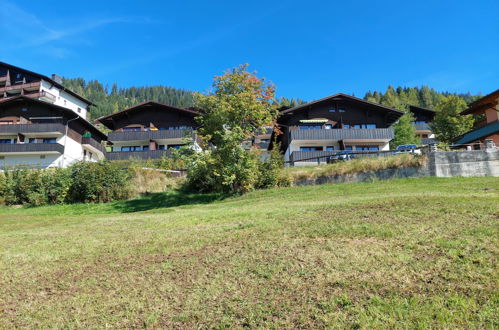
79	183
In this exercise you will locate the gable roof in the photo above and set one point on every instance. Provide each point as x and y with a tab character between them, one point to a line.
394	113
418	108
142	106
478	133
25	99
484	102
50	80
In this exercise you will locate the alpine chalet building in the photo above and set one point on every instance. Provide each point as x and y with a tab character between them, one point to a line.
336	123
42	123
37	134
149	130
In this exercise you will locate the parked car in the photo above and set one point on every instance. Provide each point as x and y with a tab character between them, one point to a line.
340	156
407	148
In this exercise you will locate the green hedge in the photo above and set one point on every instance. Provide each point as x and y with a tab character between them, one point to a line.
80	183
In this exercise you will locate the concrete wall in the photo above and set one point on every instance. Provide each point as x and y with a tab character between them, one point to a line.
464	163
440	164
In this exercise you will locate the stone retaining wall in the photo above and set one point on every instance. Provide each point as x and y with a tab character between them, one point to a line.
440	164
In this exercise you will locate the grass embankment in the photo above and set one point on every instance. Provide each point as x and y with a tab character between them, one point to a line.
401	254
358	165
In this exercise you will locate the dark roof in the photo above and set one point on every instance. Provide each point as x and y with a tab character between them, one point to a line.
52	81
84	122
478	133
473	106
340	96
144	105
418	108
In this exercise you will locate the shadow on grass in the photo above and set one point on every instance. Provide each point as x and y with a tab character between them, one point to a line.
163	200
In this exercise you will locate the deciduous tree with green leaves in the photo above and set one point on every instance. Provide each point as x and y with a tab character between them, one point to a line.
448	123
239	105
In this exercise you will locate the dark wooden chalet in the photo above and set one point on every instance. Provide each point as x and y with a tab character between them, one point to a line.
335	123
148	130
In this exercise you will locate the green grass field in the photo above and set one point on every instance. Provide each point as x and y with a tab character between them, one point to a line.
413	253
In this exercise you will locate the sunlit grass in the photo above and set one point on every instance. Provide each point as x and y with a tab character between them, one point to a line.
413	253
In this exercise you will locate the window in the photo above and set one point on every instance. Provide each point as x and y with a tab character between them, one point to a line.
332	110
310	127
32	140
328	126
5	141
132	129
330	148
310	148
346	126
79	110
131	148
50	140
364	126
145	148
341	110
161	147
264	140
177	127
419	122
348	148
174	146
367	148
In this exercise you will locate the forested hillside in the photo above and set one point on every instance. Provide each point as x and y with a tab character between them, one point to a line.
424	96
109	100
115	98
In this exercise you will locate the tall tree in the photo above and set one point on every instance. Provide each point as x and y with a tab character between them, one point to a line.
240	104
448	123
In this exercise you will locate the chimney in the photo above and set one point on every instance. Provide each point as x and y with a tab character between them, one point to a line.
56	78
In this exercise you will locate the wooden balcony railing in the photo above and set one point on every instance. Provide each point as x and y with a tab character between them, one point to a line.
32	148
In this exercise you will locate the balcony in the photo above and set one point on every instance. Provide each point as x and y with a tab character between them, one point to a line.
17	88
148	154
382	134
91	142
32	128
32	148
149	135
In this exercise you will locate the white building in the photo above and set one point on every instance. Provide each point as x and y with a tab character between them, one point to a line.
37	134
15	81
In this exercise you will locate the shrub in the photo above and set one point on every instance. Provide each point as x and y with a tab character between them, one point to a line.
227	170
99	182
82	182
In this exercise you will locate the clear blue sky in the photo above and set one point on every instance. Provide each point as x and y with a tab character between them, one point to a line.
309	49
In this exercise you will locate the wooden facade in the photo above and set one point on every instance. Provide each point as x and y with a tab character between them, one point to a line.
340	119
140	131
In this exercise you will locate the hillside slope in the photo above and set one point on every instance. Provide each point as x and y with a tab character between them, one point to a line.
402	254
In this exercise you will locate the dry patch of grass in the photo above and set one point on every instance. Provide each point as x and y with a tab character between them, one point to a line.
358	165
153	181
414	253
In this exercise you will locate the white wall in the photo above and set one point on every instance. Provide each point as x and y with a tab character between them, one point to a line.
73	152
65	99
31	161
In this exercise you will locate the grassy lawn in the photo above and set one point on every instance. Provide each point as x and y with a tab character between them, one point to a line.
411	253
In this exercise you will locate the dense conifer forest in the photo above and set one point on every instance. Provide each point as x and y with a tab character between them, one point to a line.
115	98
